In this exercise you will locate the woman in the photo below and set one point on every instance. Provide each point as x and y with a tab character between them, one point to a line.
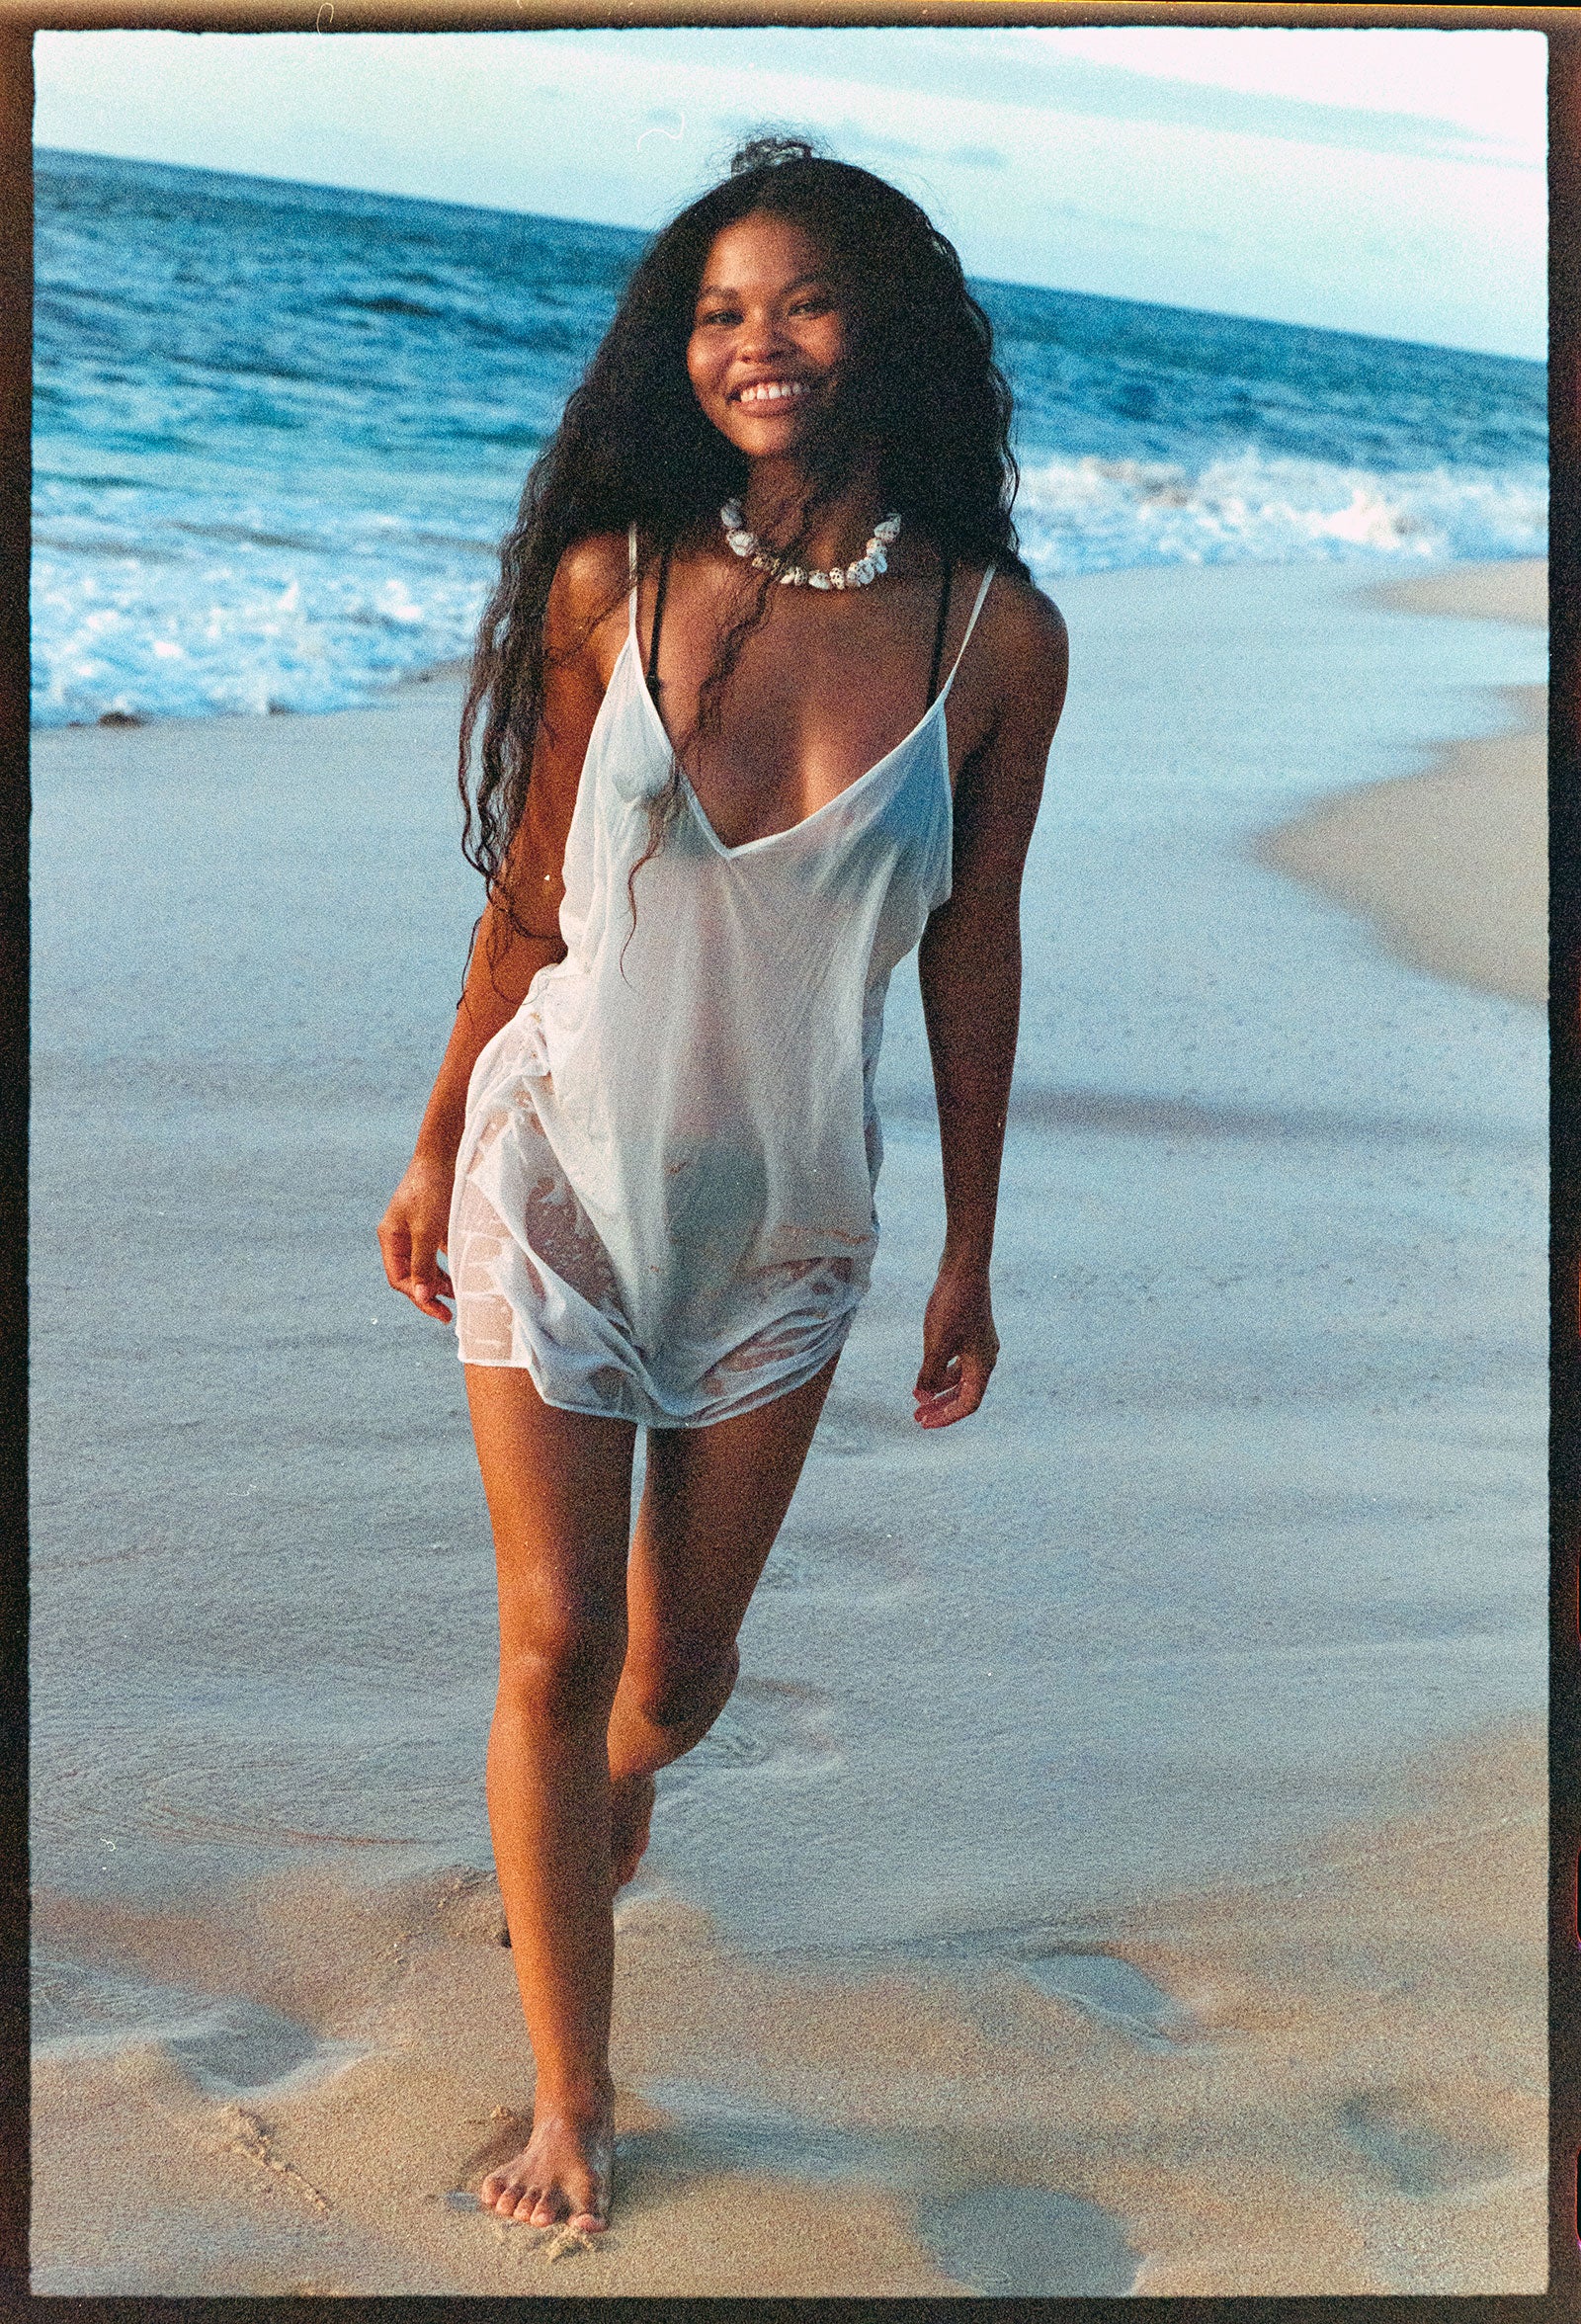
717	801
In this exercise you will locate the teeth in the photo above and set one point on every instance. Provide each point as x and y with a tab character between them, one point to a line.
771	392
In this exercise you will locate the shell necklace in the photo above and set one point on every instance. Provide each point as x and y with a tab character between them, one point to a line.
866	567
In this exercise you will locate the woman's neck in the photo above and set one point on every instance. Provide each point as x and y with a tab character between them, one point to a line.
777	495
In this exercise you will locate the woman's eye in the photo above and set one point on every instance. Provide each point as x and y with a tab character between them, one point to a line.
718	315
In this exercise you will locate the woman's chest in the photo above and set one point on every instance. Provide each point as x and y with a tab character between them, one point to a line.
807	712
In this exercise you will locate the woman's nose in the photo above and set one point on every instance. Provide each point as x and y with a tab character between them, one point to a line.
761	334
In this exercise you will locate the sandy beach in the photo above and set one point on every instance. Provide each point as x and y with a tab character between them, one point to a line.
1123	1866
1242	2090
1450	866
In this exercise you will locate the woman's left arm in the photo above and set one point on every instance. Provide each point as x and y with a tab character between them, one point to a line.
970	965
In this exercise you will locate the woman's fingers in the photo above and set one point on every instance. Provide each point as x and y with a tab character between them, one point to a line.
426	1288
950	1386
412	1264
961	1392
426	1281
960	1347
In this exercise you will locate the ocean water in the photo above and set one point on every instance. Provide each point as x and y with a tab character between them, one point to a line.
278	430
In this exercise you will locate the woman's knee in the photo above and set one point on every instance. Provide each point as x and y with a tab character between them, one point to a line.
685	1688
560	1661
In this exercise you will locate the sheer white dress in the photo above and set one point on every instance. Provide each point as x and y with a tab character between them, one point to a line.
664	1191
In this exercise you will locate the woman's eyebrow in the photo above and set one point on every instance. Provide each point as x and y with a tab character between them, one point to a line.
728	291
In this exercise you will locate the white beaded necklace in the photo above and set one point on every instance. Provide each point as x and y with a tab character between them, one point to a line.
866	567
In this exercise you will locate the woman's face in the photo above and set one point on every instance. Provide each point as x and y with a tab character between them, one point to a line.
769	335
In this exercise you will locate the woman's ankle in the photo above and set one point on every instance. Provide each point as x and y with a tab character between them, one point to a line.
574	2099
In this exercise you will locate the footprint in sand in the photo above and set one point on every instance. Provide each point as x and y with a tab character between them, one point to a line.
1101	1984
1418	2157
241	2048
1028	2242
228	2046
993	2239
767	1722
1109	1988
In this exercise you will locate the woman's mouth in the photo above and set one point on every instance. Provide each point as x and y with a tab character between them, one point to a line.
767	391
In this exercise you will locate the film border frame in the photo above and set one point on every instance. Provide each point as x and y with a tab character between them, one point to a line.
1561	26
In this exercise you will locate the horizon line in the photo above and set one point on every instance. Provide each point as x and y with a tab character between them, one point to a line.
645	234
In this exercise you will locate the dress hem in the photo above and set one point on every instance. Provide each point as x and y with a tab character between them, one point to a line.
786	1386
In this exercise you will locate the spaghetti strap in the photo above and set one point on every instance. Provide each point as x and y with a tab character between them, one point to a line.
939	632
987	582
658	604
658	617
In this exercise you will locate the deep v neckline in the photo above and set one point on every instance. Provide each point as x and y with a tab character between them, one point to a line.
765	838
745	847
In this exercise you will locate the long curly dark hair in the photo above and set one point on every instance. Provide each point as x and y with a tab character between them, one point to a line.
921	390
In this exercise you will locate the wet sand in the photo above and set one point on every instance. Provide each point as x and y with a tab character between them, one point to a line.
1451	865
1121	1867
1332	2079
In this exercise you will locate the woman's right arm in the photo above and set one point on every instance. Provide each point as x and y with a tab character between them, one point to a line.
510	950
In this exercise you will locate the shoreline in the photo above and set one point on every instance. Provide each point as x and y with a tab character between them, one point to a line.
1510	590
1448	867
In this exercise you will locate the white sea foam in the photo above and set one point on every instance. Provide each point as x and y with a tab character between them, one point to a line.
290	608
1090	515
183	628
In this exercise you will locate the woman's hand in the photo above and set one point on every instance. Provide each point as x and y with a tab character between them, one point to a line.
961	1347
410	1234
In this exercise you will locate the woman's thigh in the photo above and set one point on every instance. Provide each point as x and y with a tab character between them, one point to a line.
714	1501
559	1487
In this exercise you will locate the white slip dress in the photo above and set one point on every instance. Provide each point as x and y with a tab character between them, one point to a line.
664	1204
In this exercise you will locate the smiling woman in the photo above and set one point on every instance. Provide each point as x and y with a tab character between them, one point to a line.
769	335
651	1151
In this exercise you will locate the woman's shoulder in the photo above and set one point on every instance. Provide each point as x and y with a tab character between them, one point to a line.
1023	636
1021	611
588	591
591	573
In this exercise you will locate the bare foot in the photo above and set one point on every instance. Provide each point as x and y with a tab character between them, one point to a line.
631	1809
561	2175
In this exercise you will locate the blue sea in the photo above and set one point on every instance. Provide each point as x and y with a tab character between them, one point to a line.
278	430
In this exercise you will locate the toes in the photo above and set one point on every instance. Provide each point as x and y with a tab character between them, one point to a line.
586	2215
575	2201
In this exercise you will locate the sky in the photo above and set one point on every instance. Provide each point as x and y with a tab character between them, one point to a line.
1388	181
